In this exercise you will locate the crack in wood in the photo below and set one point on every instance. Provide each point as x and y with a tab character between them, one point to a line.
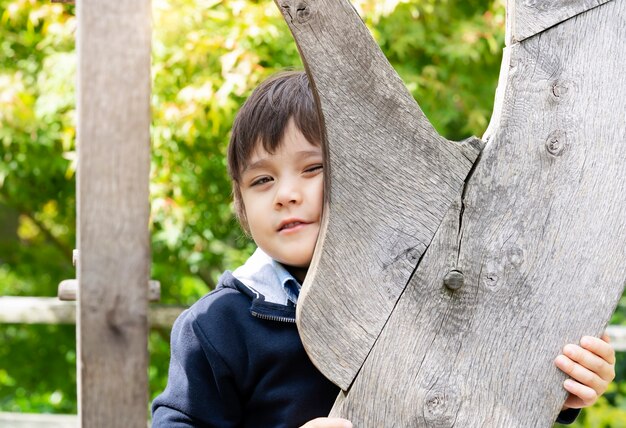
463	191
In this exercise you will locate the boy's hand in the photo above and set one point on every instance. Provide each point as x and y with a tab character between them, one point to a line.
591	367
328	423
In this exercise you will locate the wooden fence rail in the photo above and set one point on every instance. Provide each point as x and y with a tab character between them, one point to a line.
50	310
29	420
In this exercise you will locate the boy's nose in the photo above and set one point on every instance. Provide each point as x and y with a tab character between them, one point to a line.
286	194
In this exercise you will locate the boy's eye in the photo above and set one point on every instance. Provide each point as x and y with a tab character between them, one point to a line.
314	168
260	181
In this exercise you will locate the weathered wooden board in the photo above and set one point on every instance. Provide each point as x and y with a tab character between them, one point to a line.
25	420
392	179
525	18
50	310
538	230
541	246
113	169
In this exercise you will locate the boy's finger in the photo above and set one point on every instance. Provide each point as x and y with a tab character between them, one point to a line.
587	395
590	361
600	347
581	374
328	423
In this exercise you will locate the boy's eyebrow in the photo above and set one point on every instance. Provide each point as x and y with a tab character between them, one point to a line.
256	165
262	163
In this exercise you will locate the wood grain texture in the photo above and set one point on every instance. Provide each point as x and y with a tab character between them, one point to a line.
525	18
392	177
49	310
113	169
68	289
539	236
25	420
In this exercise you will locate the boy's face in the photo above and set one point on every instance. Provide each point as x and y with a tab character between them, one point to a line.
282	195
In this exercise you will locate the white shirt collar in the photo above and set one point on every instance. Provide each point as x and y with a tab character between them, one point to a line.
266	276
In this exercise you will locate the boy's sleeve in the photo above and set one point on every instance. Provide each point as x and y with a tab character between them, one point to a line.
201	391
568	416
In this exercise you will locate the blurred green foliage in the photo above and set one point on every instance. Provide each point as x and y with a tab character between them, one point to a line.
207	57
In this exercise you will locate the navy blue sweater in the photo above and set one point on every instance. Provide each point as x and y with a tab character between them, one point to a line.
237	361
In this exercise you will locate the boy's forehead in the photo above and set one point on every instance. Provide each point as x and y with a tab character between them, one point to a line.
258	153
291	142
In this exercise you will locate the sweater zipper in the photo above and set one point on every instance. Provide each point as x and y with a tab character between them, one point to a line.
272	317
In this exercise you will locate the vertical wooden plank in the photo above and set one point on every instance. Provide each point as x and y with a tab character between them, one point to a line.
374	130
113	147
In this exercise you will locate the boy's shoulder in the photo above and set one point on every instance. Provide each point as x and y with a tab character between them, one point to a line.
229	301
244	300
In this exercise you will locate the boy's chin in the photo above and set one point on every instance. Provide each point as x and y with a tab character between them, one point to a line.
296	263
298	260
299	265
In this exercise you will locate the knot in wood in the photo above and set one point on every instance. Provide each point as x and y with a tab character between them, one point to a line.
412	254
555	144
297	10
441	406
560	89
434	402
491	280
453	280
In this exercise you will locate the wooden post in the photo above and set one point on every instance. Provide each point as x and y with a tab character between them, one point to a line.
442	290
113	47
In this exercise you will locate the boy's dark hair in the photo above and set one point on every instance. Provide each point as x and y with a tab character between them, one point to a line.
263	119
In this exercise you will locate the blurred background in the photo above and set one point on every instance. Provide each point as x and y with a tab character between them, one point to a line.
207	57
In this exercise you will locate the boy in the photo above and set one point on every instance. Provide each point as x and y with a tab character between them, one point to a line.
237	359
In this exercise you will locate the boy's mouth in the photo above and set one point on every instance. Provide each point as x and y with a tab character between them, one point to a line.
290	224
